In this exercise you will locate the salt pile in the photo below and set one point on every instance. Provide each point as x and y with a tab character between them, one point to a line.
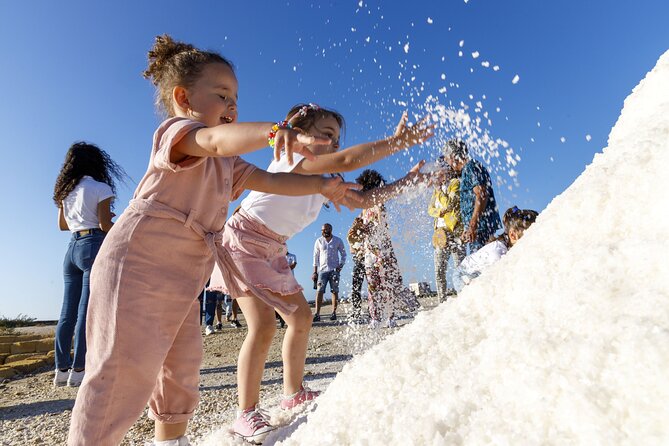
564	341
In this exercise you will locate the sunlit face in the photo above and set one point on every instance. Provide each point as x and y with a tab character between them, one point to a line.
514	236
213	97
328	127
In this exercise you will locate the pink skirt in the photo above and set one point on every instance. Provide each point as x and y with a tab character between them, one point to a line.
260	255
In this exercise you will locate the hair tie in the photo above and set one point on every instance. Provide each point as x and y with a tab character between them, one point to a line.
305	109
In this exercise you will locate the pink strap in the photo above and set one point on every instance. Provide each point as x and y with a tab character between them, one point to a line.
223	259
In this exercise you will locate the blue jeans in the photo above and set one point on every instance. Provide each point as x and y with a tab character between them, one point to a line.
77	265
210	303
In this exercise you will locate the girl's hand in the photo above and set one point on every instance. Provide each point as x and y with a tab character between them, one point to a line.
293	141
336	190
418	133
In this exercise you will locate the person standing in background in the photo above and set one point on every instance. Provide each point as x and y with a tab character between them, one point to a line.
444	207
478	208
83	193
329	259
355	239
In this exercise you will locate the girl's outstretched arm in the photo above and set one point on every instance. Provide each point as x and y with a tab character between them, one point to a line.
364	154
242	137
292	184
379	195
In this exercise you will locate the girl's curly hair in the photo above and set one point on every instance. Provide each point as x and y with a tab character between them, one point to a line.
370	179
85	159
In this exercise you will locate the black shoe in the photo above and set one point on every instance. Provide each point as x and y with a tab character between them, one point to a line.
317	317
235	323
282	324
333	317
219	327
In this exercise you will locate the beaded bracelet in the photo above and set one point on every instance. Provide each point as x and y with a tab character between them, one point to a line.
275	128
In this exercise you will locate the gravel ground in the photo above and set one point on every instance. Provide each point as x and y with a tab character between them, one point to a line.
33	412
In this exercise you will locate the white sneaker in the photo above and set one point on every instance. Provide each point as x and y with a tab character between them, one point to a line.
209	329
181	441
75	378
60	379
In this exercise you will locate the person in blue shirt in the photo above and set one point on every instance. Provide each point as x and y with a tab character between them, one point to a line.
480	216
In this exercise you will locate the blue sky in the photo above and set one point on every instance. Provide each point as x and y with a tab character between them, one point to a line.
72	71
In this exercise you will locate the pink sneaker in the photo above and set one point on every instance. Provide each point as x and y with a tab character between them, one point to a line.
253	425
300	397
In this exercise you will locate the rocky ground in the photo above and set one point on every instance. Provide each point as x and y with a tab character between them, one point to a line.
33	412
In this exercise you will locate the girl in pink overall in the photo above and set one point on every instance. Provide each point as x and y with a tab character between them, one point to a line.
255	237
144	341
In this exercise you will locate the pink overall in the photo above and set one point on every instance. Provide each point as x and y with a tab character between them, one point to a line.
143	333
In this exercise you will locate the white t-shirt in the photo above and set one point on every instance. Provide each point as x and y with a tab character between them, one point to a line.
80	207
475	263
283	214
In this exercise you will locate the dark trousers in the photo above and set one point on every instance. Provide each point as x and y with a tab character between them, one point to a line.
358	279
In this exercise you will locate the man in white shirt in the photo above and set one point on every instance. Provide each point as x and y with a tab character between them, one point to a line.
329	259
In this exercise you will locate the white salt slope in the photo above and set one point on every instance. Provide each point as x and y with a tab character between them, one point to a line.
564	341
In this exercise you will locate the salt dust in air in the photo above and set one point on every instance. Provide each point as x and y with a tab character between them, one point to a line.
545	347
515	79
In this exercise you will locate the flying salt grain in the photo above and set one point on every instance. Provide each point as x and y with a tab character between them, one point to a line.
485	63
588	138
563	139
443	76
429	20
406	47
495	68
294	68
475	55
462	43
515	80
459	53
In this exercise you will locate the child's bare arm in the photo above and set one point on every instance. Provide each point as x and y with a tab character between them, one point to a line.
364	154
379	195
240	138
292	184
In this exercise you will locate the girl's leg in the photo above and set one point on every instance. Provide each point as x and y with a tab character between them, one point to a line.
253	354
86	249
176	395
72	279
295	342
129	338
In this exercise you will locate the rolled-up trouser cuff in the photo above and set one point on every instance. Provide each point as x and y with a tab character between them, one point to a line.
169	418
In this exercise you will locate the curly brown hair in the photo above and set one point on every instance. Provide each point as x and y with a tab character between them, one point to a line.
172	64
83	159
313	114
370	179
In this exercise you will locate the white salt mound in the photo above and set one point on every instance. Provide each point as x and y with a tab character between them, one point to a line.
564	341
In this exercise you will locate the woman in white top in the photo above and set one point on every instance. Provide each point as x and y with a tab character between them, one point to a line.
83	193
